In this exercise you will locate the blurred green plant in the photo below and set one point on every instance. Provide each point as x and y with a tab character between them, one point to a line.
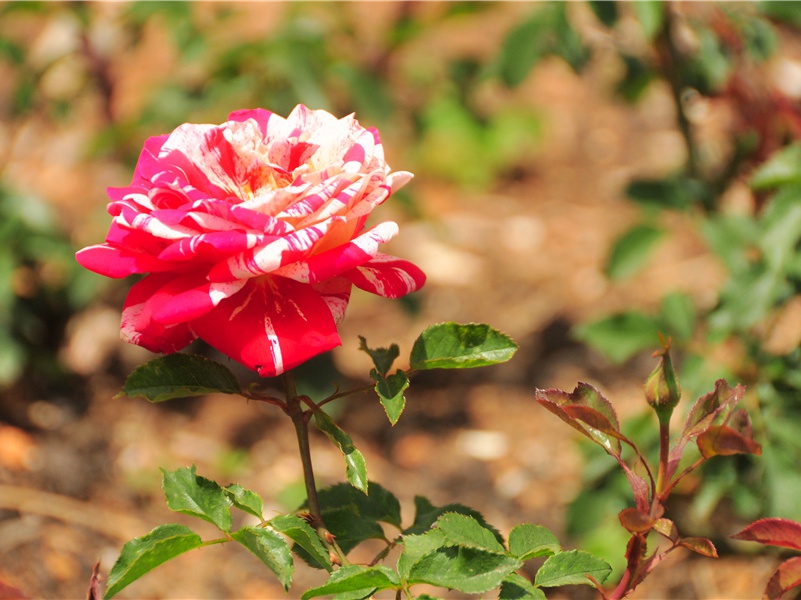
715	55
41	286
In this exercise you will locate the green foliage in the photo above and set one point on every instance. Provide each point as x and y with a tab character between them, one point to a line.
270	548
454	346
191	494
571	568
631	250
179	376
300	532
390	392
143	554
355	465
41	287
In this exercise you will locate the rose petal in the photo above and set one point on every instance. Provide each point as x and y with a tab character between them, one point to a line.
339	259
118	262
265	259
387	276
190	297
272	325
138	326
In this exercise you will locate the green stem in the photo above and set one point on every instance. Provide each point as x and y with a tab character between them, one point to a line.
294	409
664	450
300	419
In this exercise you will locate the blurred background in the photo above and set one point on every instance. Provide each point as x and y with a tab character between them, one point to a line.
588	174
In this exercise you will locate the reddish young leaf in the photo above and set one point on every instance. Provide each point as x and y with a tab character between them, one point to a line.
95	591
773	531
725	441
708	407
786	577
699	545
585	404
635	520
667	528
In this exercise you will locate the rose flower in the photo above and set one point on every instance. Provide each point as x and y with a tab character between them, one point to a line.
251	234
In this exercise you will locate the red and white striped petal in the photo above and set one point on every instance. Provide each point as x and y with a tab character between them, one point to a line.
387	276
335	293
342	258
270	326
186	298
119	262
266	259
138	327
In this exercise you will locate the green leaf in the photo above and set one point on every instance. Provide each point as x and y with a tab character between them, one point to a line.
678	315
354	578
465	531
426	514
464	569
416	547
621	336
270	548
382	357
378	504
524	46
782	168
300	532
390	391
517	587
651	15
355	465
143	554
605	10
191	494
632	250
530	541
353	517
454	346
572	568
673	193
246	500
179	376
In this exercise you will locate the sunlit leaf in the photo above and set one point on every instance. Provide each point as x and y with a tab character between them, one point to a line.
143	554
465	531
245	499
354	578
464	569
270	548
390	392
572	568
191	494
300	532
528	541
455	346
355	465
179	376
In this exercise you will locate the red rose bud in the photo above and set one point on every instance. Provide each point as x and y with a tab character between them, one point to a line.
662	390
